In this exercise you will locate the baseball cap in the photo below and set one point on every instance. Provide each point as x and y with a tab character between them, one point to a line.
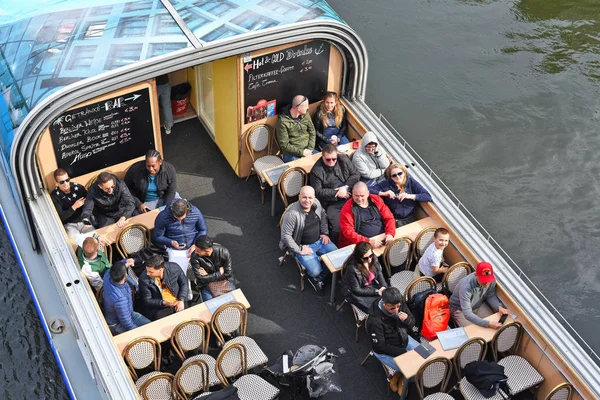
485	272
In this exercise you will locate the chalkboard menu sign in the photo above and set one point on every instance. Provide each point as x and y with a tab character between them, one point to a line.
104	133
272	80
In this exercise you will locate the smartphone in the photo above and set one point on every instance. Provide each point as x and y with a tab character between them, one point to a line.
355	145
503	318
181	244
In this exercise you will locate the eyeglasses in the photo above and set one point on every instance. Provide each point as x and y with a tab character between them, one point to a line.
396	174
367	258
64	181
330	159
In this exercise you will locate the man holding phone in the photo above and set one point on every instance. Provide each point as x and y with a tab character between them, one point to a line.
178	226
68	199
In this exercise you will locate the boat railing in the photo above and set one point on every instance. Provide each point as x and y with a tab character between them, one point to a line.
489	238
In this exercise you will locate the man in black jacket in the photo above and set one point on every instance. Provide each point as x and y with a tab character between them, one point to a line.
152	182
68	199
211	263
110	200
163	288
332	177
389	324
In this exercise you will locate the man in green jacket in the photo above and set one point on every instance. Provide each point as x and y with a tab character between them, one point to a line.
295	130
92	261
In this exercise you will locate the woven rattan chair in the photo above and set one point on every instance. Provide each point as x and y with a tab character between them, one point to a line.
287	254
232	362
454	274
396	253
92	180
359	315
191	378
142	353
389	372
232	318
156	386
258	139
472	350
422	241
564	391
106	250
419	285
132	238
433	373
290	183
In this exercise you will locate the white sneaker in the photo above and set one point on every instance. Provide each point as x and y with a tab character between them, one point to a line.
167	130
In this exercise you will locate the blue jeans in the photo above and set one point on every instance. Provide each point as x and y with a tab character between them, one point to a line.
288	157
311	262
207	295
138	320
389	360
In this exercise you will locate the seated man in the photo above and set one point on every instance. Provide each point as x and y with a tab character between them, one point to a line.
295	131
211	264
430	263
370	161
152	183
178	226
468	301
118	303
333	177
163	288
304	233
93	262
108	199
68	199
364	217
389	324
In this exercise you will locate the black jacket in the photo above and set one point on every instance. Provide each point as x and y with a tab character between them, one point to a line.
136	180
389	335
220	257
63	202
118	204
150	295
321	178
355	284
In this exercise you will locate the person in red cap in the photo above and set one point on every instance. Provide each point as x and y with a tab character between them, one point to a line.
474	298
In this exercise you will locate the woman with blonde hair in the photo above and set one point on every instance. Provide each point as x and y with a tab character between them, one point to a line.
330	121
400	192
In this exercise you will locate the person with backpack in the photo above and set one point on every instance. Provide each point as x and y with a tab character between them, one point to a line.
363	280
389	324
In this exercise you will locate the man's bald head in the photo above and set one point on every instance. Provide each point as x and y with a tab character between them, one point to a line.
360	194
299	105
306	197
307	190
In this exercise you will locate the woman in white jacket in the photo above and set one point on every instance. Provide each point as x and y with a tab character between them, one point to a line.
370	160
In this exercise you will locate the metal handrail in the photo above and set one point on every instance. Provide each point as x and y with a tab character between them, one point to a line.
489	238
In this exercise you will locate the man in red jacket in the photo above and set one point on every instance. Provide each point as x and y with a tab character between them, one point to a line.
365	216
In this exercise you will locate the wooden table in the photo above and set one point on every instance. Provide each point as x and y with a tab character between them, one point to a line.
410	362
335	260
161	329
272	175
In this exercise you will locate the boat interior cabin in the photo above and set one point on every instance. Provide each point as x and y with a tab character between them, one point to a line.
221	104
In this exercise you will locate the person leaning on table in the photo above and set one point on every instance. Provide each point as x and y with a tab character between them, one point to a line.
474	298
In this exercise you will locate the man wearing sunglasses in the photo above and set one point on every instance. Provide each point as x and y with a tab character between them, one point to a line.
110	200
474	298
295	130
69	198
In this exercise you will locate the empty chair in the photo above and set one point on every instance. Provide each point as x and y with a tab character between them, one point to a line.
433	373
156	386
454	274
192	378
422	241
472	350
564	391
232	362
231	318
290	183
132	239
396	253
258	139
142	353
193	336
419	285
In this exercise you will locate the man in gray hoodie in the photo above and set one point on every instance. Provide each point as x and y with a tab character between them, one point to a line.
305	234
370	160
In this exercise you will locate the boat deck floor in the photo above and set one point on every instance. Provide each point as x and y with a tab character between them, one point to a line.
281	317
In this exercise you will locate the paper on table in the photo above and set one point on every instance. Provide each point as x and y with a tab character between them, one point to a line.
215	303
452	338
340	256
180	258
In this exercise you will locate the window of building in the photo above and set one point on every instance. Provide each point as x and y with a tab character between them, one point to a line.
278	6
97	11
193	19
131	27
137	6
217	8
165	25
94	30
253	21
221	32
81	57
157	49
122	54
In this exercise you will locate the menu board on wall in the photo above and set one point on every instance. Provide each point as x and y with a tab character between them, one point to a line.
103	133
272	80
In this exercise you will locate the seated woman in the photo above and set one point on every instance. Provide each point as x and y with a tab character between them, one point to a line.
330	121
363	280
400	192
370	160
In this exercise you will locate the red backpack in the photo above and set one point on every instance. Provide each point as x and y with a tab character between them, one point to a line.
436	316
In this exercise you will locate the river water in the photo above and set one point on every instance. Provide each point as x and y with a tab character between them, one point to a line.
500	98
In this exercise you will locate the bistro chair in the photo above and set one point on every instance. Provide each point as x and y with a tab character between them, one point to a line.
564	391
389	372
192	377
92	180
454	275
132	239
419	285
422	241
106	250
233	362
192	337
396	253
156	386
359	315
142	353
435	372
472	350
287	254
232	318
290	183
258	139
